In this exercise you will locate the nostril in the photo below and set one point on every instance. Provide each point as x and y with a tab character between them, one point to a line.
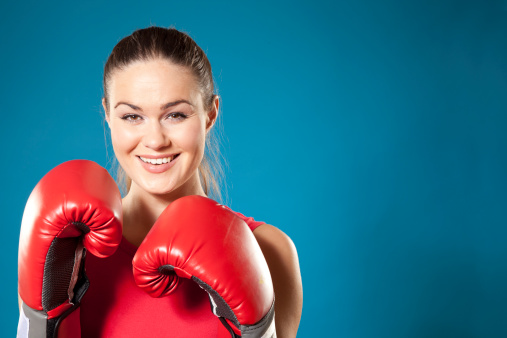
155	138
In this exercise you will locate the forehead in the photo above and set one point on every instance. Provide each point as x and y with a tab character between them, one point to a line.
153	80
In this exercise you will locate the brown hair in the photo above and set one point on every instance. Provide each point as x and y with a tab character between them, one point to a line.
179	48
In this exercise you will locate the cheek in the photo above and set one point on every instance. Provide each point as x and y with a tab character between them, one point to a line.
123	140
191	138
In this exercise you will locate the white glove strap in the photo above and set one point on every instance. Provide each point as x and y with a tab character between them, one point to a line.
23	324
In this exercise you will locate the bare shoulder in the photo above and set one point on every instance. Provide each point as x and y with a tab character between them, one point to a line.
281	256
274	239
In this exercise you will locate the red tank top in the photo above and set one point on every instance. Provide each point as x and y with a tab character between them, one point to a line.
114	306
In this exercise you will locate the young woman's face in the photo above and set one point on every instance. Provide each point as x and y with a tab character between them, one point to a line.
158	124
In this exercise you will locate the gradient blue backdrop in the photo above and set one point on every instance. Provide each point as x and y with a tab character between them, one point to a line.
372	132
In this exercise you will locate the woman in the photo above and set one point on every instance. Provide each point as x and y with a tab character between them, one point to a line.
160	106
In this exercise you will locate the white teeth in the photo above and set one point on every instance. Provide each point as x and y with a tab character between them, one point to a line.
157	161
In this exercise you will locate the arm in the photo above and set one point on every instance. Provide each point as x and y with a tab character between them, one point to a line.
282	259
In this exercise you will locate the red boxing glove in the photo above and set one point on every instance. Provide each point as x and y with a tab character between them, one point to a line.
197	238
74	208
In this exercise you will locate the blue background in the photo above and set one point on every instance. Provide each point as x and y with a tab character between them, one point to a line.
371	132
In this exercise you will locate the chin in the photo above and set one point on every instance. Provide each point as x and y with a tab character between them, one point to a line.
167	183
158	189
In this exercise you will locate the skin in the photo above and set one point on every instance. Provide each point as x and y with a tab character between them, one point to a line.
156	108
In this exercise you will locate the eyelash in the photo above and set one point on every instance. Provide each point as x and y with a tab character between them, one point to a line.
132	118
177	116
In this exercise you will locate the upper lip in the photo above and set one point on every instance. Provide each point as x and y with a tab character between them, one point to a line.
154	157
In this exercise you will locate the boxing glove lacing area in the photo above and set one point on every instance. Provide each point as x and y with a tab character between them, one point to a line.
64	276
222	310
218	304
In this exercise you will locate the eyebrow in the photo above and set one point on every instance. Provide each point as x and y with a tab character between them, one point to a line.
164	106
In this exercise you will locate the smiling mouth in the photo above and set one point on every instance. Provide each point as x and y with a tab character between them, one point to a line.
158	161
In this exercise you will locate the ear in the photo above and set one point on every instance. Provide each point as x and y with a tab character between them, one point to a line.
213	113
106	113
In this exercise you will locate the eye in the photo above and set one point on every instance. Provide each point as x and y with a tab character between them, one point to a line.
132	118
177	116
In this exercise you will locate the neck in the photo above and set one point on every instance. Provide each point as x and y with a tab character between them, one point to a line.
141	208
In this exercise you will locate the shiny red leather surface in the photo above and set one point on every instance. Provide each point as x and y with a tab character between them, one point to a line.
201	238
75	191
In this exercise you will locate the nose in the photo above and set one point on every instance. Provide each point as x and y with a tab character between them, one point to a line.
155	137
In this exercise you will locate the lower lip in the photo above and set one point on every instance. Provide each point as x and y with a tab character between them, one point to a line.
157	168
